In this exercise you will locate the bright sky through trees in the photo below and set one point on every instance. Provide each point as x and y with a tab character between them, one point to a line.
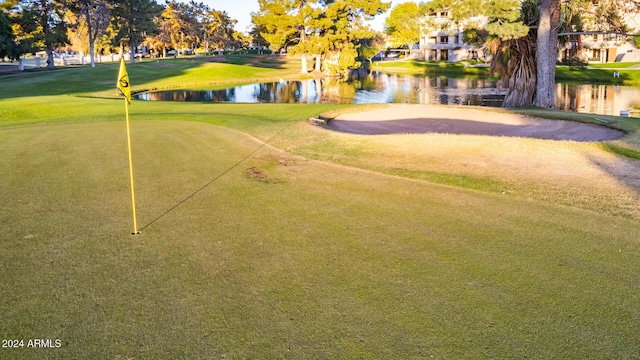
241	11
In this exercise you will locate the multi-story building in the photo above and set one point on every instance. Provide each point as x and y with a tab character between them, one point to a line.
599	47
442	39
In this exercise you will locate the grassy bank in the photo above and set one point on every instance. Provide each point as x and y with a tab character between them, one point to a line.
430	67
601	74
265	237
598	73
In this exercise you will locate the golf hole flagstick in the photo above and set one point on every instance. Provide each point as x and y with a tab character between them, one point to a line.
125	88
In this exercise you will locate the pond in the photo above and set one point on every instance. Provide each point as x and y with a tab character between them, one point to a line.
388	88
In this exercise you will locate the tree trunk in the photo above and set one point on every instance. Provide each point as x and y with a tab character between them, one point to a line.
92	38
522	83
547	52
303	39
132	52
304	69
318	63
46	29
50	61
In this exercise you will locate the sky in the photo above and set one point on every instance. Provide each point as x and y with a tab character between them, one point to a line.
241	10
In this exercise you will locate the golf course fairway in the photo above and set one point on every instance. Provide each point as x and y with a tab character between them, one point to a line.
264	237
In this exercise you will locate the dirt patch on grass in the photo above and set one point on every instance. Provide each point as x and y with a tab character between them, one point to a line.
419	119
258	174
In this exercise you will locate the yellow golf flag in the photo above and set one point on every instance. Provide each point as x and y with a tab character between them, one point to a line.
125	88
123	81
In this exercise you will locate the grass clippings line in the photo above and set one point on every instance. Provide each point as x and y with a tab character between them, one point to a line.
262	145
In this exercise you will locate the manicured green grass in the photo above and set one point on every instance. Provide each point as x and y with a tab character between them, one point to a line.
602	74
430	67
616	65
630	153
150	74
598	73
254	250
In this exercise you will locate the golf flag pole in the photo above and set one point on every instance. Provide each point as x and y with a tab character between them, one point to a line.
125	88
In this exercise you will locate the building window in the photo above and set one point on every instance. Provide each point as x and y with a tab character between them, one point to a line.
444	39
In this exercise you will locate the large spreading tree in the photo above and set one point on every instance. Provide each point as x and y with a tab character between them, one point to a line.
348	28
285	24
328	29
40	26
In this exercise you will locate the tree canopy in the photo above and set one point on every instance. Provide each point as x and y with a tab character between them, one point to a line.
30	26
40	25
523	36
403	24
8	46
133	21
323	29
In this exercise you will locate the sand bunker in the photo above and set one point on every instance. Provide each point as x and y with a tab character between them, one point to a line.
400	118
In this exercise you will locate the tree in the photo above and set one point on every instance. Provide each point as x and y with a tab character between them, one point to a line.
256	37
330	29
403	24
524	38
370	47
134	21
8	46
287	21
218	29
514	54
162	39
193	25
181	29
91	21
347	19
41	26
241	40
277	21
547	53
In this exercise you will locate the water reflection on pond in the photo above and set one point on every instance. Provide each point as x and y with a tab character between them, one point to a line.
388	88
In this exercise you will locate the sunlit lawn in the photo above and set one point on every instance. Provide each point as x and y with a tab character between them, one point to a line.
430	67
264	237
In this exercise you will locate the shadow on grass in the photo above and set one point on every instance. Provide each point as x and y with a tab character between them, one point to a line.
78	80
259	61
625	200
65	81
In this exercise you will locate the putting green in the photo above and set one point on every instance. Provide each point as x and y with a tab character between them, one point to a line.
248	252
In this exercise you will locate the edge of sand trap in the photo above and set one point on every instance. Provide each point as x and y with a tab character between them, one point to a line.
420	119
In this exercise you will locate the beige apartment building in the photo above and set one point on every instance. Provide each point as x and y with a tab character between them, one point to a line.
441	39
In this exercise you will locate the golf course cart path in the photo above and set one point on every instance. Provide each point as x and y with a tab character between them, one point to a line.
417	119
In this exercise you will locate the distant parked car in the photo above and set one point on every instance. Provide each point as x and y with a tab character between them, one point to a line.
393	55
